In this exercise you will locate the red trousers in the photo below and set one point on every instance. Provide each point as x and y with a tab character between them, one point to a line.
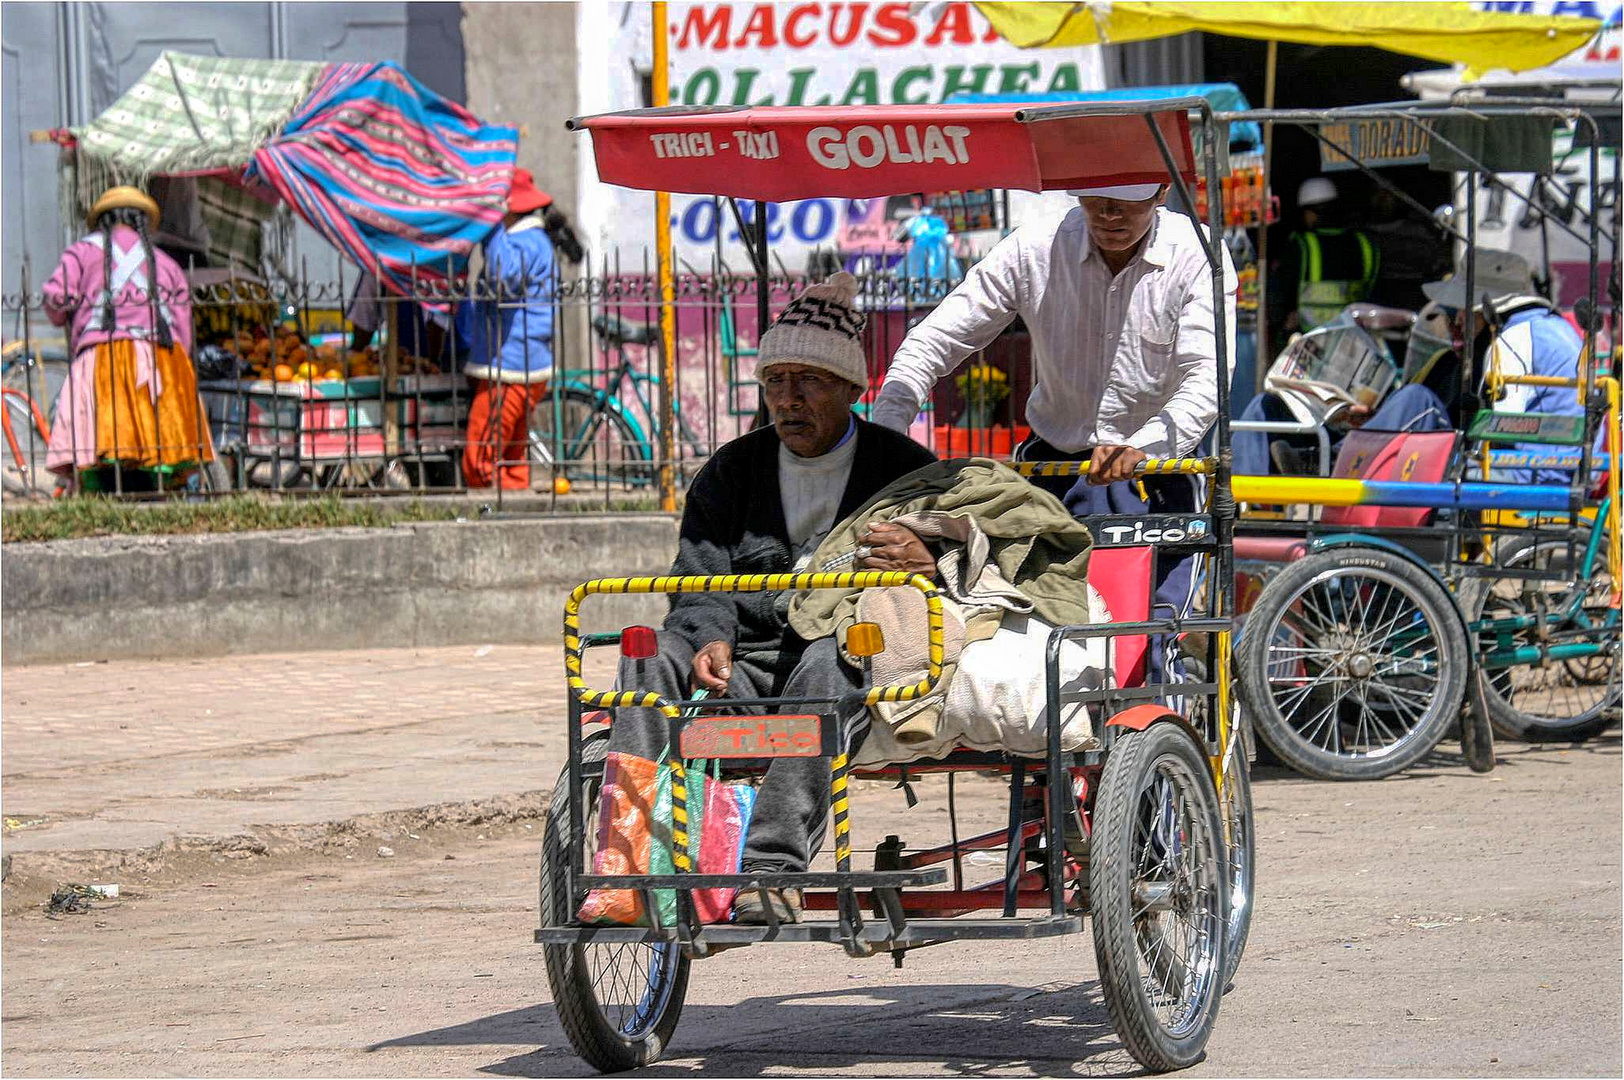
499	430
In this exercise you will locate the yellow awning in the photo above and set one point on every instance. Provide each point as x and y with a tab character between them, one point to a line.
1451	33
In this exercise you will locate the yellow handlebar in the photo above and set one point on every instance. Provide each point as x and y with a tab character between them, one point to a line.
851	579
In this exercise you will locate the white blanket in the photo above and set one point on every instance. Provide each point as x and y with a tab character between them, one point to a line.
997	699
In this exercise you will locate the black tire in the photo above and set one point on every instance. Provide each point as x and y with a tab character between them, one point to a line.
1568	701
1376	650
216	476
1240	861
593	444
610	1036
1157	887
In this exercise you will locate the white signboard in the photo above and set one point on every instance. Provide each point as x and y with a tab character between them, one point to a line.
1600	56
790	54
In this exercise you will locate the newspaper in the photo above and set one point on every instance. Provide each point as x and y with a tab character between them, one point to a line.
1332	368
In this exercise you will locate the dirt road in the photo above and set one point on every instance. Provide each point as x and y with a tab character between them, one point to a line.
1437	923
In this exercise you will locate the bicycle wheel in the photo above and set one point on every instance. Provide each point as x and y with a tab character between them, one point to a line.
1562	701
618	1004
1157	885
1356	666
592	440
1241	863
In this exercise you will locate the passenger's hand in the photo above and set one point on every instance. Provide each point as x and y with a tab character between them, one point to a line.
1113	463
894	547
1355	416
713	666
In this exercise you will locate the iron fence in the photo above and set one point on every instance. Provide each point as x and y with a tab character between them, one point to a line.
334	385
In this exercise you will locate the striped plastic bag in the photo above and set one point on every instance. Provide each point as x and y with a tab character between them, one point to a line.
635	836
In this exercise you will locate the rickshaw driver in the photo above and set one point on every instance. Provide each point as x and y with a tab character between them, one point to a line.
1117	297
761	505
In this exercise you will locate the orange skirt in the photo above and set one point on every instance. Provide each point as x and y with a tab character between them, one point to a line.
135	430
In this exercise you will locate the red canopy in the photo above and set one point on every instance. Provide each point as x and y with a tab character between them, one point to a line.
781	153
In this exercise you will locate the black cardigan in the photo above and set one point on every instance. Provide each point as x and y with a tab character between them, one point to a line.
734	524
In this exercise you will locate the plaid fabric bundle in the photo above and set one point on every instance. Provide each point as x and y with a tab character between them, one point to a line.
187	114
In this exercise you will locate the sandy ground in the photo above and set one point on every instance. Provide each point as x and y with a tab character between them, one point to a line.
1440	922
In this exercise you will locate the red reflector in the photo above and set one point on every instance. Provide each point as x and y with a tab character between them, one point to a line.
638	642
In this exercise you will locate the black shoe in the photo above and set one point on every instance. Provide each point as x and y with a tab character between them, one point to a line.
1287	460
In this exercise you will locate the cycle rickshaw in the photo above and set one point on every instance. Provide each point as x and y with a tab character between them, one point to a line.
1162	798
1430	581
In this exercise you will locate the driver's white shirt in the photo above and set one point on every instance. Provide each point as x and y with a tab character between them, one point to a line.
1121	360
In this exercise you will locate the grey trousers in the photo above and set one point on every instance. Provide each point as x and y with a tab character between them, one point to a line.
792	804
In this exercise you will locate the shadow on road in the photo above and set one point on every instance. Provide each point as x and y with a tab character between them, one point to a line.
1059	1029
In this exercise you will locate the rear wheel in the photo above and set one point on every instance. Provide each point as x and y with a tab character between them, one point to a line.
1356	664
1157	885
618	1004
1562	700
587	441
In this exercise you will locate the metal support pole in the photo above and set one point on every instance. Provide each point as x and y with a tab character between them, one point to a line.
668	296
1263	357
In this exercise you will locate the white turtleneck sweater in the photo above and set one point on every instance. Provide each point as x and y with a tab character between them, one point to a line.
811	489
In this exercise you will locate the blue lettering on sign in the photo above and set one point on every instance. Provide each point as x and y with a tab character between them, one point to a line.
699	222
811	221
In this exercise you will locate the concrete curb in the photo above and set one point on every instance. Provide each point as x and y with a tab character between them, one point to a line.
438	583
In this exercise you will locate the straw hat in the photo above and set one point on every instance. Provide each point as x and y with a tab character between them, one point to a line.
124	196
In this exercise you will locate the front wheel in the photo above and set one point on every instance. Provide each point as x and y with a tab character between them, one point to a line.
1356	664
1559	700
1157	884
618	1004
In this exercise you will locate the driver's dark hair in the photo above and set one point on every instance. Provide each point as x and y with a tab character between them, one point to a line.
135	219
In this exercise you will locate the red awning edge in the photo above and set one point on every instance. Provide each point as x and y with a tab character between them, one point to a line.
783	153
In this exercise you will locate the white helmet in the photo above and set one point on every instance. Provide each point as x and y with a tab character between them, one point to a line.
1316	192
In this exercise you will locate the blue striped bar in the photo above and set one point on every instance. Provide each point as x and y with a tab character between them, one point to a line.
1467	496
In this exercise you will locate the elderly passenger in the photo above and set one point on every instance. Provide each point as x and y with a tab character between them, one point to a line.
760	506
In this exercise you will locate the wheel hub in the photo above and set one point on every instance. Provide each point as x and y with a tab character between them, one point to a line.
1360	665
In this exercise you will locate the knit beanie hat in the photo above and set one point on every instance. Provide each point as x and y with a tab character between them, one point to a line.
819	329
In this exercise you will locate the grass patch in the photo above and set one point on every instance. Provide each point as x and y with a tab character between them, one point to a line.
71	519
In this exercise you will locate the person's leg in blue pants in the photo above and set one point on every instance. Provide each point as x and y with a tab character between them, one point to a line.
1409	408
1251	448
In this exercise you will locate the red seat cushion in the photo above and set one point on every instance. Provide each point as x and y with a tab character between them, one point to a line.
1421	456
1122	575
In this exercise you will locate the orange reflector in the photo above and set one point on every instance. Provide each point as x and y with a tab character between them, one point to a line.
865	639
638	642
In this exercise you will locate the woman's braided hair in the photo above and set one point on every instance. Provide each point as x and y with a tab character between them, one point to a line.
134	219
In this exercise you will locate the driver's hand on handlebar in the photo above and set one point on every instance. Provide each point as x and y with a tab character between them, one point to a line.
886	546
1113	463
713	666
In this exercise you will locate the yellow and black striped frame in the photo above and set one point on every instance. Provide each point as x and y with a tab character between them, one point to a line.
851	579
681	855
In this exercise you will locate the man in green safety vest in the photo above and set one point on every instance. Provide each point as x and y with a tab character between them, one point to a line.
1326	266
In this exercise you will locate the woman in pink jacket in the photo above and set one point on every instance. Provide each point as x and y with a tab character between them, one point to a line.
129	415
